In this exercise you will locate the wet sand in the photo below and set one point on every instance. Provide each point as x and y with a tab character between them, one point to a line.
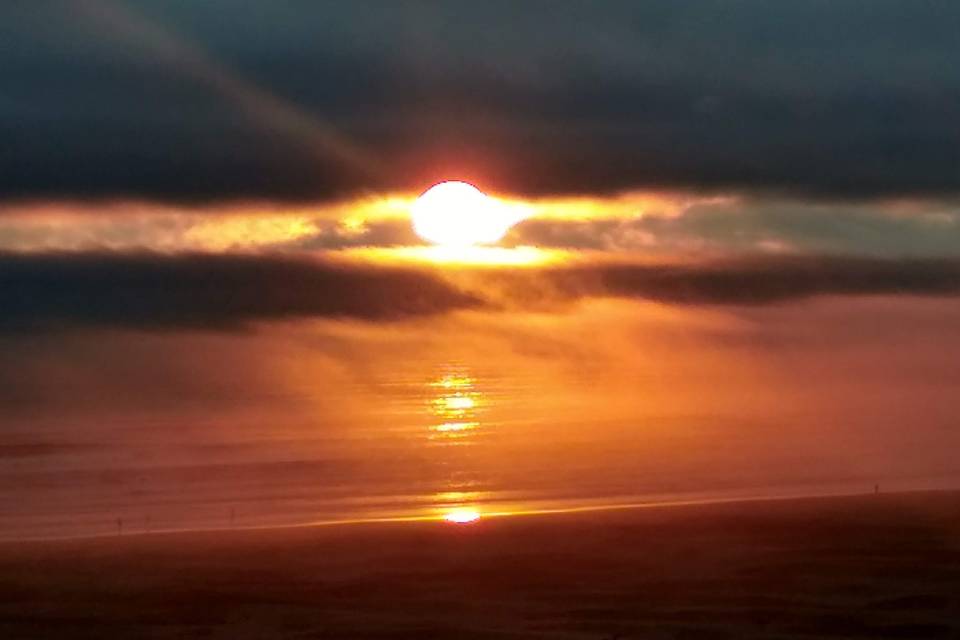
884	566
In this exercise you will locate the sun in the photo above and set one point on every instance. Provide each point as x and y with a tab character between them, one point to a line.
457	214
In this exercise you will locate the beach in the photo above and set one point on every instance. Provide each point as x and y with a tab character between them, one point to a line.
870	566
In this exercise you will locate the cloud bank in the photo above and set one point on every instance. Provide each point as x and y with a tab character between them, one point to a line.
230	291
760	280
304	101
212	291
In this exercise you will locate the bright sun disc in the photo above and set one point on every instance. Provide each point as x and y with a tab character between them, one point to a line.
457	214
462	516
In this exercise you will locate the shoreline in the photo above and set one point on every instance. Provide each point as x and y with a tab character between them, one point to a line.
485	516
861	566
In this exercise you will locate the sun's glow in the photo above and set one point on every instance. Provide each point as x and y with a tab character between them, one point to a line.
457	214
462	516
473	257
349	228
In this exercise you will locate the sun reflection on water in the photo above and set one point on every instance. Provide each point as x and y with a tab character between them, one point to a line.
455	403
448	427
462	516
456	406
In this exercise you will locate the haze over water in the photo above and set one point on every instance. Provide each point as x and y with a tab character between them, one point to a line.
333	435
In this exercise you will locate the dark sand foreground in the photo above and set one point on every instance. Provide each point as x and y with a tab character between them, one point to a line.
883	566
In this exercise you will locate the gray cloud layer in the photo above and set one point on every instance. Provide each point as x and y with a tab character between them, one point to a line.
744	226
199	101
148	291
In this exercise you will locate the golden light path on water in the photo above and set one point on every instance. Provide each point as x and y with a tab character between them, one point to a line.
462	516
456	405
459	409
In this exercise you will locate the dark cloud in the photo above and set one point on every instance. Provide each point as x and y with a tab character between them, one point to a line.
756	281
152	291
223	292
212	100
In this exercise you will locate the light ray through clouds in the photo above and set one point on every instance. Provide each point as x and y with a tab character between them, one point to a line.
131	28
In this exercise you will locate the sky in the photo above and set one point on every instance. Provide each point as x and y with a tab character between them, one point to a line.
734	263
